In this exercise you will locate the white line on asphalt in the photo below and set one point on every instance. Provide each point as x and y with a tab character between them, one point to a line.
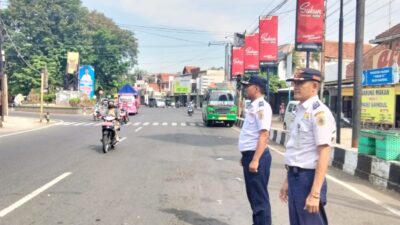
146	124
89	124
192	124
72	123
66	123
27	131
35	193
200	124
183	124
165	124
138	129
155	124
129	123
347	186
120	140
136	124
174	124
78	124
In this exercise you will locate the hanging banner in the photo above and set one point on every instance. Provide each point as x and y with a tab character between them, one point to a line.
86	80
237	62
72	62
268	40
309	25
251	62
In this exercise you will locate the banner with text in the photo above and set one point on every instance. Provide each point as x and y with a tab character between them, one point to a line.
72	62
309	25
378	105
237	62
251	61
86	80
183	84
268	40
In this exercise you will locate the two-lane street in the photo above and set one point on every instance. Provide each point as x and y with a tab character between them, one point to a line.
169	169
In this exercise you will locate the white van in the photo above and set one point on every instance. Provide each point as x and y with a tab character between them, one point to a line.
290	114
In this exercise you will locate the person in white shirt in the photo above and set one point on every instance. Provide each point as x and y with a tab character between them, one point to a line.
307	152
256	158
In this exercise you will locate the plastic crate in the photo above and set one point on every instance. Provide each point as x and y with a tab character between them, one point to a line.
388	148
366	149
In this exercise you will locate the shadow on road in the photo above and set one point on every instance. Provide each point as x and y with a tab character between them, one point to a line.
193	139
97	148
193	217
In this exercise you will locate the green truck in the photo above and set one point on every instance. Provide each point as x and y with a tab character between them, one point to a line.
219	107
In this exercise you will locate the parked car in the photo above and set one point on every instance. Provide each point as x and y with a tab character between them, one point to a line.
290	114
160	103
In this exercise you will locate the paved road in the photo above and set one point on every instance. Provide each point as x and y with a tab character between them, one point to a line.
170	170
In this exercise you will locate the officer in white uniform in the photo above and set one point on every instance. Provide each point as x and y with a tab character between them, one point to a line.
256	158
307	152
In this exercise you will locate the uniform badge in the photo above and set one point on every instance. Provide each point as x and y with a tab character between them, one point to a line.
261	103
315	105
307	116
260	114
320	118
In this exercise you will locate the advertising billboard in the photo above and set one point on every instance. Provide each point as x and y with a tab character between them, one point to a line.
378	105
86	80
309	25
251	61
72	62
183	84
268	40
237	62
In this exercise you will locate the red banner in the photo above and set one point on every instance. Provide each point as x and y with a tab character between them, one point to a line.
269	39
237	61
251	62
310	25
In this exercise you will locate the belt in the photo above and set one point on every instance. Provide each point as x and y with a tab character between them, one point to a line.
251	152
296	169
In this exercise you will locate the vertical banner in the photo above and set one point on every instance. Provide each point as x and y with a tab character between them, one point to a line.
72	62
237	62
268	40
86	80
251	61
310	25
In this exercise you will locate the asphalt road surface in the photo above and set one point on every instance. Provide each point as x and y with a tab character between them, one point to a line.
168	170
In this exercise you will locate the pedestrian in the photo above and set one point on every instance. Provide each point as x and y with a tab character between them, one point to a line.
307	152
281	112
256	158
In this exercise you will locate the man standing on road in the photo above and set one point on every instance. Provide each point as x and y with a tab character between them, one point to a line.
256	158
307	152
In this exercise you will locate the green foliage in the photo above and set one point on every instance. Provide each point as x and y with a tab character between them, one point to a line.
50	97
74	102
45	31
274	82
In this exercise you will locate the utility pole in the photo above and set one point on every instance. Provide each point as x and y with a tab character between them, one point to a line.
42	76
340	65
358	69
2	106
322	57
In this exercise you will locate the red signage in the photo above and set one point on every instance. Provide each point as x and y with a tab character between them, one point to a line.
251	62
268	39
310	25
237	61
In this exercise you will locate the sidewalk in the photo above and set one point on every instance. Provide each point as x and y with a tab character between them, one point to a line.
346	133
14	124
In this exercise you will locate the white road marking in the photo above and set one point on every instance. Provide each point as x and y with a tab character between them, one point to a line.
138	129
129	123
89	124
28	131
347	186
183	124
192	124
78	124
136	124
121	140
72	123
200	124
146	124
35	193
155	124
174	124
66	123
165	124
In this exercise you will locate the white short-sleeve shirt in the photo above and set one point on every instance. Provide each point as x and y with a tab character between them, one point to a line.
258	117
314	125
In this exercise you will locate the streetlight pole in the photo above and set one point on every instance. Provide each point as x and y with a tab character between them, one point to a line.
340	65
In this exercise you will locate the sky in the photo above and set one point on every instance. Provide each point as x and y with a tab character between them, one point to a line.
175	33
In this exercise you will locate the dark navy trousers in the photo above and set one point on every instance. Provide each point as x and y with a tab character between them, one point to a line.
300	184
257	187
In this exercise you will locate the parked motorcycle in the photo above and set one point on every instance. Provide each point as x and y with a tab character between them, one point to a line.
124	116
190	111
108	133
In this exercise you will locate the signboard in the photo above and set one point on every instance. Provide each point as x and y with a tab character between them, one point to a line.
381	76
72	62
309	25
268	40
86	80
378	105
237	61
251	62
183	85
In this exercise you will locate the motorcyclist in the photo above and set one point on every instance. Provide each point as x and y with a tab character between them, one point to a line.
113	111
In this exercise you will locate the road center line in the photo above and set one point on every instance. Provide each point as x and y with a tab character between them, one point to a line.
138	129
347	186
35	193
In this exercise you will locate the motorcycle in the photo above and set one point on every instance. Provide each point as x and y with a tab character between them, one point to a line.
108	133
124	116
96	115
190	111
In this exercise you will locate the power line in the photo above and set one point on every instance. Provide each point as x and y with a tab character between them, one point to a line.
174	38
176	30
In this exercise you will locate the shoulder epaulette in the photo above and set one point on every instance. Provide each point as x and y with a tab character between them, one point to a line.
315	105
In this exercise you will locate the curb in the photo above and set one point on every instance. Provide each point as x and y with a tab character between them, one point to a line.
381	173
